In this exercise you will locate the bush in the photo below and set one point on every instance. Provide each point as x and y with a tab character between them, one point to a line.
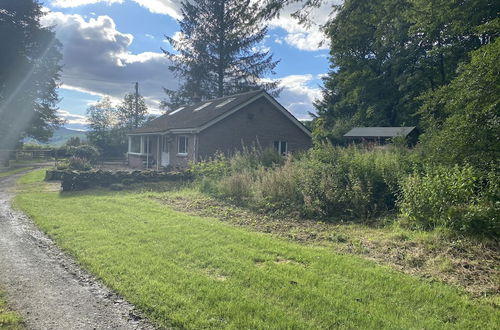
62	165
279	188
351	182
460	198
237	187
87	152
327	181
79	164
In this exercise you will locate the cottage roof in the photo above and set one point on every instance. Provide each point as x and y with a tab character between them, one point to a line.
202	114
376	132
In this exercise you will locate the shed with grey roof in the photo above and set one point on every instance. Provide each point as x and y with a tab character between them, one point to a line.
378	134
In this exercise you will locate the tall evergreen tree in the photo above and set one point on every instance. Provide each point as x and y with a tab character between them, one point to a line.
217	52
29	74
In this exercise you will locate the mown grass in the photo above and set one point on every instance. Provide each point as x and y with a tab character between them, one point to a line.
14	171
193	272
9	320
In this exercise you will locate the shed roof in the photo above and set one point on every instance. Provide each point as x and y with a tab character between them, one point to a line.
379	131
202	114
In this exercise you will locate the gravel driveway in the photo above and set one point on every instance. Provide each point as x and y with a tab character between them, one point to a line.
46	286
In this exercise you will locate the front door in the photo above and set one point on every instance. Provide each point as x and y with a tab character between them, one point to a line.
165	155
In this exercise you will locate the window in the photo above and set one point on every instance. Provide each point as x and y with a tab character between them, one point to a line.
281	147
220	105
135	144
204	105
175	111
182	145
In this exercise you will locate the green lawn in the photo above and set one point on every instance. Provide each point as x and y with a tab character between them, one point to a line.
9	320
14	171
197	272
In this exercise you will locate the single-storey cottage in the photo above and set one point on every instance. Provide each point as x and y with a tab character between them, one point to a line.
226	124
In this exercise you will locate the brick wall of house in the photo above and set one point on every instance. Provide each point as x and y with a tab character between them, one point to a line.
259	121
181	161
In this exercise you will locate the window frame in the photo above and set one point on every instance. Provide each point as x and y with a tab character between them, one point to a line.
281	146
185	138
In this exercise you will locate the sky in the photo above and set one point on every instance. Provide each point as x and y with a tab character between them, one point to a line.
108	45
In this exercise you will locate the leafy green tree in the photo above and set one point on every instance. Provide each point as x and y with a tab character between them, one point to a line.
131	114
29	74
470	132
370	52
217	52
386	53
102	118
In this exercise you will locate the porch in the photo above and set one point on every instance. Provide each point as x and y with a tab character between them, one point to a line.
148	151
160	151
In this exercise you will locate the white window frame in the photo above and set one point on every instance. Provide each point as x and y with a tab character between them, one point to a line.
281	147
186	145
141	144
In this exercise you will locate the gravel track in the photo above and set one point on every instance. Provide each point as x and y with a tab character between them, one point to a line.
46	287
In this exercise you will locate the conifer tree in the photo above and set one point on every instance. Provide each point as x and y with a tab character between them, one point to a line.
29	74
218	51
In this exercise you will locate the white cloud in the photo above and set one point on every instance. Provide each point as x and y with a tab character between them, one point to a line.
77	3
298	96
307	38
97	60
71	118
166	7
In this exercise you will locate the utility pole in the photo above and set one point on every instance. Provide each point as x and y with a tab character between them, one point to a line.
136	119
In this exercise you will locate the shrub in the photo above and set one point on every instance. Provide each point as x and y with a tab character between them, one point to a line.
279	188
79	164
237	187
215	167
351	182
86	152
460	198
62	165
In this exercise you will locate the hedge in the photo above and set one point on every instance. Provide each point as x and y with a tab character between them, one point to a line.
80	180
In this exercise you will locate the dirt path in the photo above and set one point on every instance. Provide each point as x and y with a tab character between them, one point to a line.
46	286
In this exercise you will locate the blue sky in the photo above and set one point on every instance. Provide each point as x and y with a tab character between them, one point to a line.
109	44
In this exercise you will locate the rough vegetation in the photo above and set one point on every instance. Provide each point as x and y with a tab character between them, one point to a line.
359	184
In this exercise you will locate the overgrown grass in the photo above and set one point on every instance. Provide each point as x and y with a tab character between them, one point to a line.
195	272
359	184
9	320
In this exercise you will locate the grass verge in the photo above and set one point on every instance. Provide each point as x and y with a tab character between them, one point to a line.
190	271
15	171
9	320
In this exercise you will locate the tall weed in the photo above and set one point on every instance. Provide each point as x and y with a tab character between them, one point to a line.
461	198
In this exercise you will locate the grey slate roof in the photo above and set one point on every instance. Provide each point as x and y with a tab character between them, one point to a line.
196	115
379	132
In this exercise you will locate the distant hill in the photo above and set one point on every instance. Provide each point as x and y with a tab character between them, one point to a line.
61	135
